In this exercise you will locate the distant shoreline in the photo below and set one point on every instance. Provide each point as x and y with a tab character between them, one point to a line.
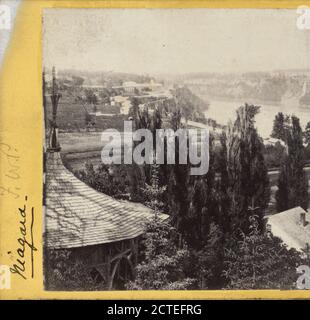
209	99
257	102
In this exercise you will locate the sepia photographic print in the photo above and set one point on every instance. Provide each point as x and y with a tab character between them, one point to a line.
177	149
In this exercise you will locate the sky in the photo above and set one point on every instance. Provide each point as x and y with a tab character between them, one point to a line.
174	41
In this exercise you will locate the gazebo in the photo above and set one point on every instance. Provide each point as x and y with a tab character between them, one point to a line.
95	227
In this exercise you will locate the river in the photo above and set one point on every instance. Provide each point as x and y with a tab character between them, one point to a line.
222	111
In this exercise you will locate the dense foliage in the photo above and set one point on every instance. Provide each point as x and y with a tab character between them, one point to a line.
259	261
63	271
245	173
293	183
164	261
215	237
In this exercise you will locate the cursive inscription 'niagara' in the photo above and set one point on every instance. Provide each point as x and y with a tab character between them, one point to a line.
25	243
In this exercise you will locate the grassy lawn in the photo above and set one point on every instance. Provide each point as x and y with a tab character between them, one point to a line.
80	141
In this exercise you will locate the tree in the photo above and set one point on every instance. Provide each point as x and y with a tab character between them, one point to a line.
88	120
307	134
292	183
245	172
108	179
178	189
307	141
222	187
104	94
260	261
274	154
208	266
280	126
164	256
190	105
282	201
203	205
164	260
179	184
143	119
91	98
153	193
65	272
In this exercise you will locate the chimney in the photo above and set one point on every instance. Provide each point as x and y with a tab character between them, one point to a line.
303	219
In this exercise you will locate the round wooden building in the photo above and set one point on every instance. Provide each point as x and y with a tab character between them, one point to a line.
95	227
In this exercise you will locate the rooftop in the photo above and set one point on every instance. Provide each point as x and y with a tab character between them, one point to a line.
77	215
287	226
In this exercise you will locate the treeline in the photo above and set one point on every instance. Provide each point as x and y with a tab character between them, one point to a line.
253	86
191	106
104	78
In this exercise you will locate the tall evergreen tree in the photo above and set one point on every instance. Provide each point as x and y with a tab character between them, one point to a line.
180	184
208	260
307	134
204	205
246	173
292	183
280	126
153	192
222	187
164	256
142	119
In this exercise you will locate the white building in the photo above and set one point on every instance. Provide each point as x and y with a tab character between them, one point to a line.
130	86
122	102
125	107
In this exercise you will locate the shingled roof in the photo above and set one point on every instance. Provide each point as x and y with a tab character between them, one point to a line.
77	215
293	230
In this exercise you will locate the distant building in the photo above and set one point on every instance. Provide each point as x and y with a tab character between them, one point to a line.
292	227
131	86
117	100
93	86
125	107
198	125
123	103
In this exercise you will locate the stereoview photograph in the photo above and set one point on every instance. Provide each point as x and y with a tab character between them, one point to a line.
177	149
